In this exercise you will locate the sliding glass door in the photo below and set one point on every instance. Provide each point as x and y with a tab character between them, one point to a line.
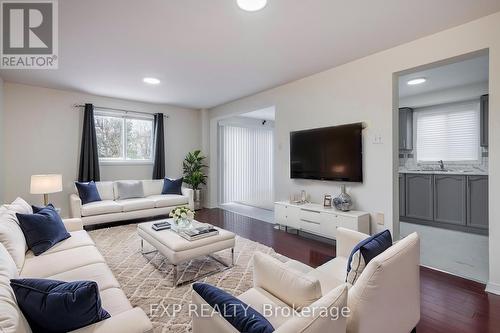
246	160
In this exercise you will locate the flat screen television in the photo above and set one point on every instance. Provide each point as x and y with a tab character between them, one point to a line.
329	153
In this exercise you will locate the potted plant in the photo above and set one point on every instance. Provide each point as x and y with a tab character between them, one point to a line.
194	174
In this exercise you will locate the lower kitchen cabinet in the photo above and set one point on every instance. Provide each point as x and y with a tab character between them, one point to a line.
450	197
419	196
477	202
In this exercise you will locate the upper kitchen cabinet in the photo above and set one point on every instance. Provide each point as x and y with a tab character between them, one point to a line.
484	120
405	129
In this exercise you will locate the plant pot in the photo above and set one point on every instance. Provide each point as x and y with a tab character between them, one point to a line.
197	200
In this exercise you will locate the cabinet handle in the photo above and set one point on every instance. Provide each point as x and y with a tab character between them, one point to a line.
311	211
310	221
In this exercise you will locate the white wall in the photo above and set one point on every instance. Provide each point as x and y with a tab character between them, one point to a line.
2	157
364	90
43	134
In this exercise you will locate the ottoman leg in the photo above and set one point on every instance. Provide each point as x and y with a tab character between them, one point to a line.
176	275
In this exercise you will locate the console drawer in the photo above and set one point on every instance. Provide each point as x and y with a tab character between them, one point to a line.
310	216
314	227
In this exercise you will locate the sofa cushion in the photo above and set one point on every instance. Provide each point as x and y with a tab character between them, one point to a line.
11	317
128	190
12	237
331	274
77	239
98	272
241	316
115	301
129	205
58	306
88	192
43	229
172	186
364	252
291	286
20	206
152	187
168	200
101	207
58	262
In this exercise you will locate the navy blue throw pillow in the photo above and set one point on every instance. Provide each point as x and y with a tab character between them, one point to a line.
55	306
43	229
238	314
172	186
88	192
371	247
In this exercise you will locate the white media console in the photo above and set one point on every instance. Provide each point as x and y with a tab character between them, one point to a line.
318	220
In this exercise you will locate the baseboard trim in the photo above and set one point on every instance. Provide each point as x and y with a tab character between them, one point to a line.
493	288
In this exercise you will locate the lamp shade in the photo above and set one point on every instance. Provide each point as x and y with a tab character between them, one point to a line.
44	184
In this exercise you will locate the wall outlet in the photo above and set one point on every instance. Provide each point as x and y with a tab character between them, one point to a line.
380	218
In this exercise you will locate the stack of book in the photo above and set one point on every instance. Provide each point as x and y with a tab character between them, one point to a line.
199	232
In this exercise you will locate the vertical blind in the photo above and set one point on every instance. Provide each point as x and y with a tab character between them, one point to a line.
247	165
448	133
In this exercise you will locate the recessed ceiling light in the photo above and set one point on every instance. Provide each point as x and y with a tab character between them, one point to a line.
416	81
251	5
151	80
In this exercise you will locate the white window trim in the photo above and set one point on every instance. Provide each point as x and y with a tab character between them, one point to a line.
477	162
121	161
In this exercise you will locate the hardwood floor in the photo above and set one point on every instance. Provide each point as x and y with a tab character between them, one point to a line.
448	303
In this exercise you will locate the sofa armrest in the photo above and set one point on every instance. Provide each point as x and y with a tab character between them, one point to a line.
75	205
131	321
346	240
190	194
74	224
206	319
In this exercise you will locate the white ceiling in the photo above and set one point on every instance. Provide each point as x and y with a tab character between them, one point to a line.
264	114
457	74
210	52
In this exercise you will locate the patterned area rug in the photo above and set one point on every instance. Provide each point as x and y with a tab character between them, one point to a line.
147	279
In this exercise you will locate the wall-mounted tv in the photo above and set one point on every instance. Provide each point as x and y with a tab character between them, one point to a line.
329	153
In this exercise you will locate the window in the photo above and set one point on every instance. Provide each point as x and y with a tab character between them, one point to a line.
448	133
123	138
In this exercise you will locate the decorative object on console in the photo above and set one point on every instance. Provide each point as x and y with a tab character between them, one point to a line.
182	217
45	184
88	192
240	315
172	186
57	306
364	252
344	201
43	229
327	201
194	174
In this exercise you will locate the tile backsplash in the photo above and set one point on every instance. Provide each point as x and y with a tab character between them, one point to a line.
407	160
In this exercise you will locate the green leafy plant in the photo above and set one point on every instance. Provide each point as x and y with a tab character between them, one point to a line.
194	168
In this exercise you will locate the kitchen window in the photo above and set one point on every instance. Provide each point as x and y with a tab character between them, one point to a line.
448	132
124	138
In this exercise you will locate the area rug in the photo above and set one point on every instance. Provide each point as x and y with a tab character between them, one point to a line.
147	279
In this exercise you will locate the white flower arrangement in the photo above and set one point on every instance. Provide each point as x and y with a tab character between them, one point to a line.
181	213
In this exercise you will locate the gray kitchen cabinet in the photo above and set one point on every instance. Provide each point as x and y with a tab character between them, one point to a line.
484	120
405	129
477	202
449	199
402	195
419	196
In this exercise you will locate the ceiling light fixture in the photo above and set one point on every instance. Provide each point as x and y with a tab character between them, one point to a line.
416	81
251	5
151	80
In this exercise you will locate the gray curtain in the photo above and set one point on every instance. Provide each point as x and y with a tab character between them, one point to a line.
159	148
89	160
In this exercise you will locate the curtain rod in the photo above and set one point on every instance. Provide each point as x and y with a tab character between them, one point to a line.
115	109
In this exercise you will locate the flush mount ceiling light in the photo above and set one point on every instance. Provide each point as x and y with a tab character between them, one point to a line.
151	80
416	81
251	5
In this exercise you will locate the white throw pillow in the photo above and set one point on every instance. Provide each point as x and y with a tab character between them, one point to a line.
20	206
12	237
129	190
11	317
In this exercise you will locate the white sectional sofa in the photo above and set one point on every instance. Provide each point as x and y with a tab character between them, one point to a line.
73	259
111	209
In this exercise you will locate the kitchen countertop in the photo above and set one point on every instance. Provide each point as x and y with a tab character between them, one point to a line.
467	172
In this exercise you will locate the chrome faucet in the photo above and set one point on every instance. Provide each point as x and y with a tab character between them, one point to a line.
441	165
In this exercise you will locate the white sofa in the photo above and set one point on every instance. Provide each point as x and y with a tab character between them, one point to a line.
111	209
73	259
384	299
